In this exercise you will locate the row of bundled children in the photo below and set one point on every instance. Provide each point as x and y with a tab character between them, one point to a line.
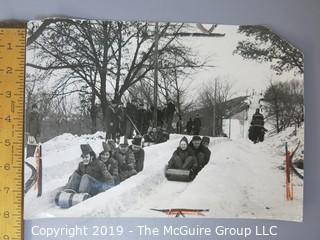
116	164
191	156
112	166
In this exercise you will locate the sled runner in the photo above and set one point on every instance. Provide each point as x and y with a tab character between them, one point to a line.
177	212
36	171
180	175
32	179
68	198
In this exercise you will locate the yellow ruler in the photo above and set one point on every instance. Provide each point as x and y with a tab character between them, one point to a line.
12	73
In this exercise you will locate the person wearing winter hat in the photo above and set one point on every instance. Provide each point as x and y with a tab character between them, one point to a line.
150	136
112	165
112	145
183	157
138	152
91	176
207	153
125	159
205	141
198	150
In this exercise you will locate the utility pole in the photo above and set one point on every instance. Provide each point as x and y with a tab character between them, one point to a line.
155	88
214	109
230	127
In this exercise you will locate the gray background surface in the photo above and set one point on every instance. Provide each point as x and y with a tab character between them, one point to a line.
295	20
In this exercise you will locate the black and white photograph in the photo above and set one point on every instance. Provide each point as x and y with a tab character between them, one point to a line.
162	119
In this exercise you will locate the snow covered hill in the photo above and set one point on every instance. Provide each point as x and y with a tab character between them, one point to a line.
241	180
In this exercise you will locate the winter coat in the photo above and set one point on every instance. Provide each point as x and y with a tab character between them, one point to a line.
171	108
139	158
126	163
189	126
112	122
150	137
96	169
200	154
179	126
182	159
196	125
33	126
256	133
161	136
257	120
112	166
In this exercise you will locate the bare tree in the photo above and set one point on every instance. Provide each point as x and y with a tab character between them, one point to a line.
264	45
213	97
118	52
286	103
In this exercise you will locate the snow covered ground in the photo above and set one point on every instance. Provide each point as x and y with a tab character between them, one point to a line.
241	180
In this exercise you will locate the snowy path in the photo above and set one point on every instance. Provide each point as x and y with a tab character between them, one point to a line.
241	180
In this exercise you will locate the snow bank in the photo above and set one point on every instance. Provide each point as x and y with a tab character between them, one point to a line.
290	135
119	199
241	180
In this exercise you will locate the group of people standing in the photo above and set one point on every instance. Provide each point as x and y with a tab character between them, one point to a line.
191	156
122	121
113	165
194	125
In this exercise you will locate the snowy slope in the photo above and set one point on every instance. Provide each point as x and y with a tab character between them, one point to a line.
241	180
119	199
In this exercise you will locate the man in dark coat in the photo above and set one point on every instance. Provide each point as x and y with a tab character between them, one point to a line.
161	135
257	130
113	121
196	125
141	112
126	160
257	119
189	126
170	109
131	112
199	152
207	153
91	176
179	125
183	157
138	153
34	125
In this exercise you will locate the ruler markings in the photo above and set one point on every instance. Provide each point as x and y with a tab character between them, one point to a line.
12	104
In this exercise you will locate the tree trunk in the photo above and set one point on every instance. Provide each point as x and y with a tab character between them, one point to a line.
105	118
93	116
93	113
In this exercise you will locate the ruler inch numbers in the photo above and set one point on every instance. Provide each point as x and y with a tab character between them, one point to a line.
12	74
